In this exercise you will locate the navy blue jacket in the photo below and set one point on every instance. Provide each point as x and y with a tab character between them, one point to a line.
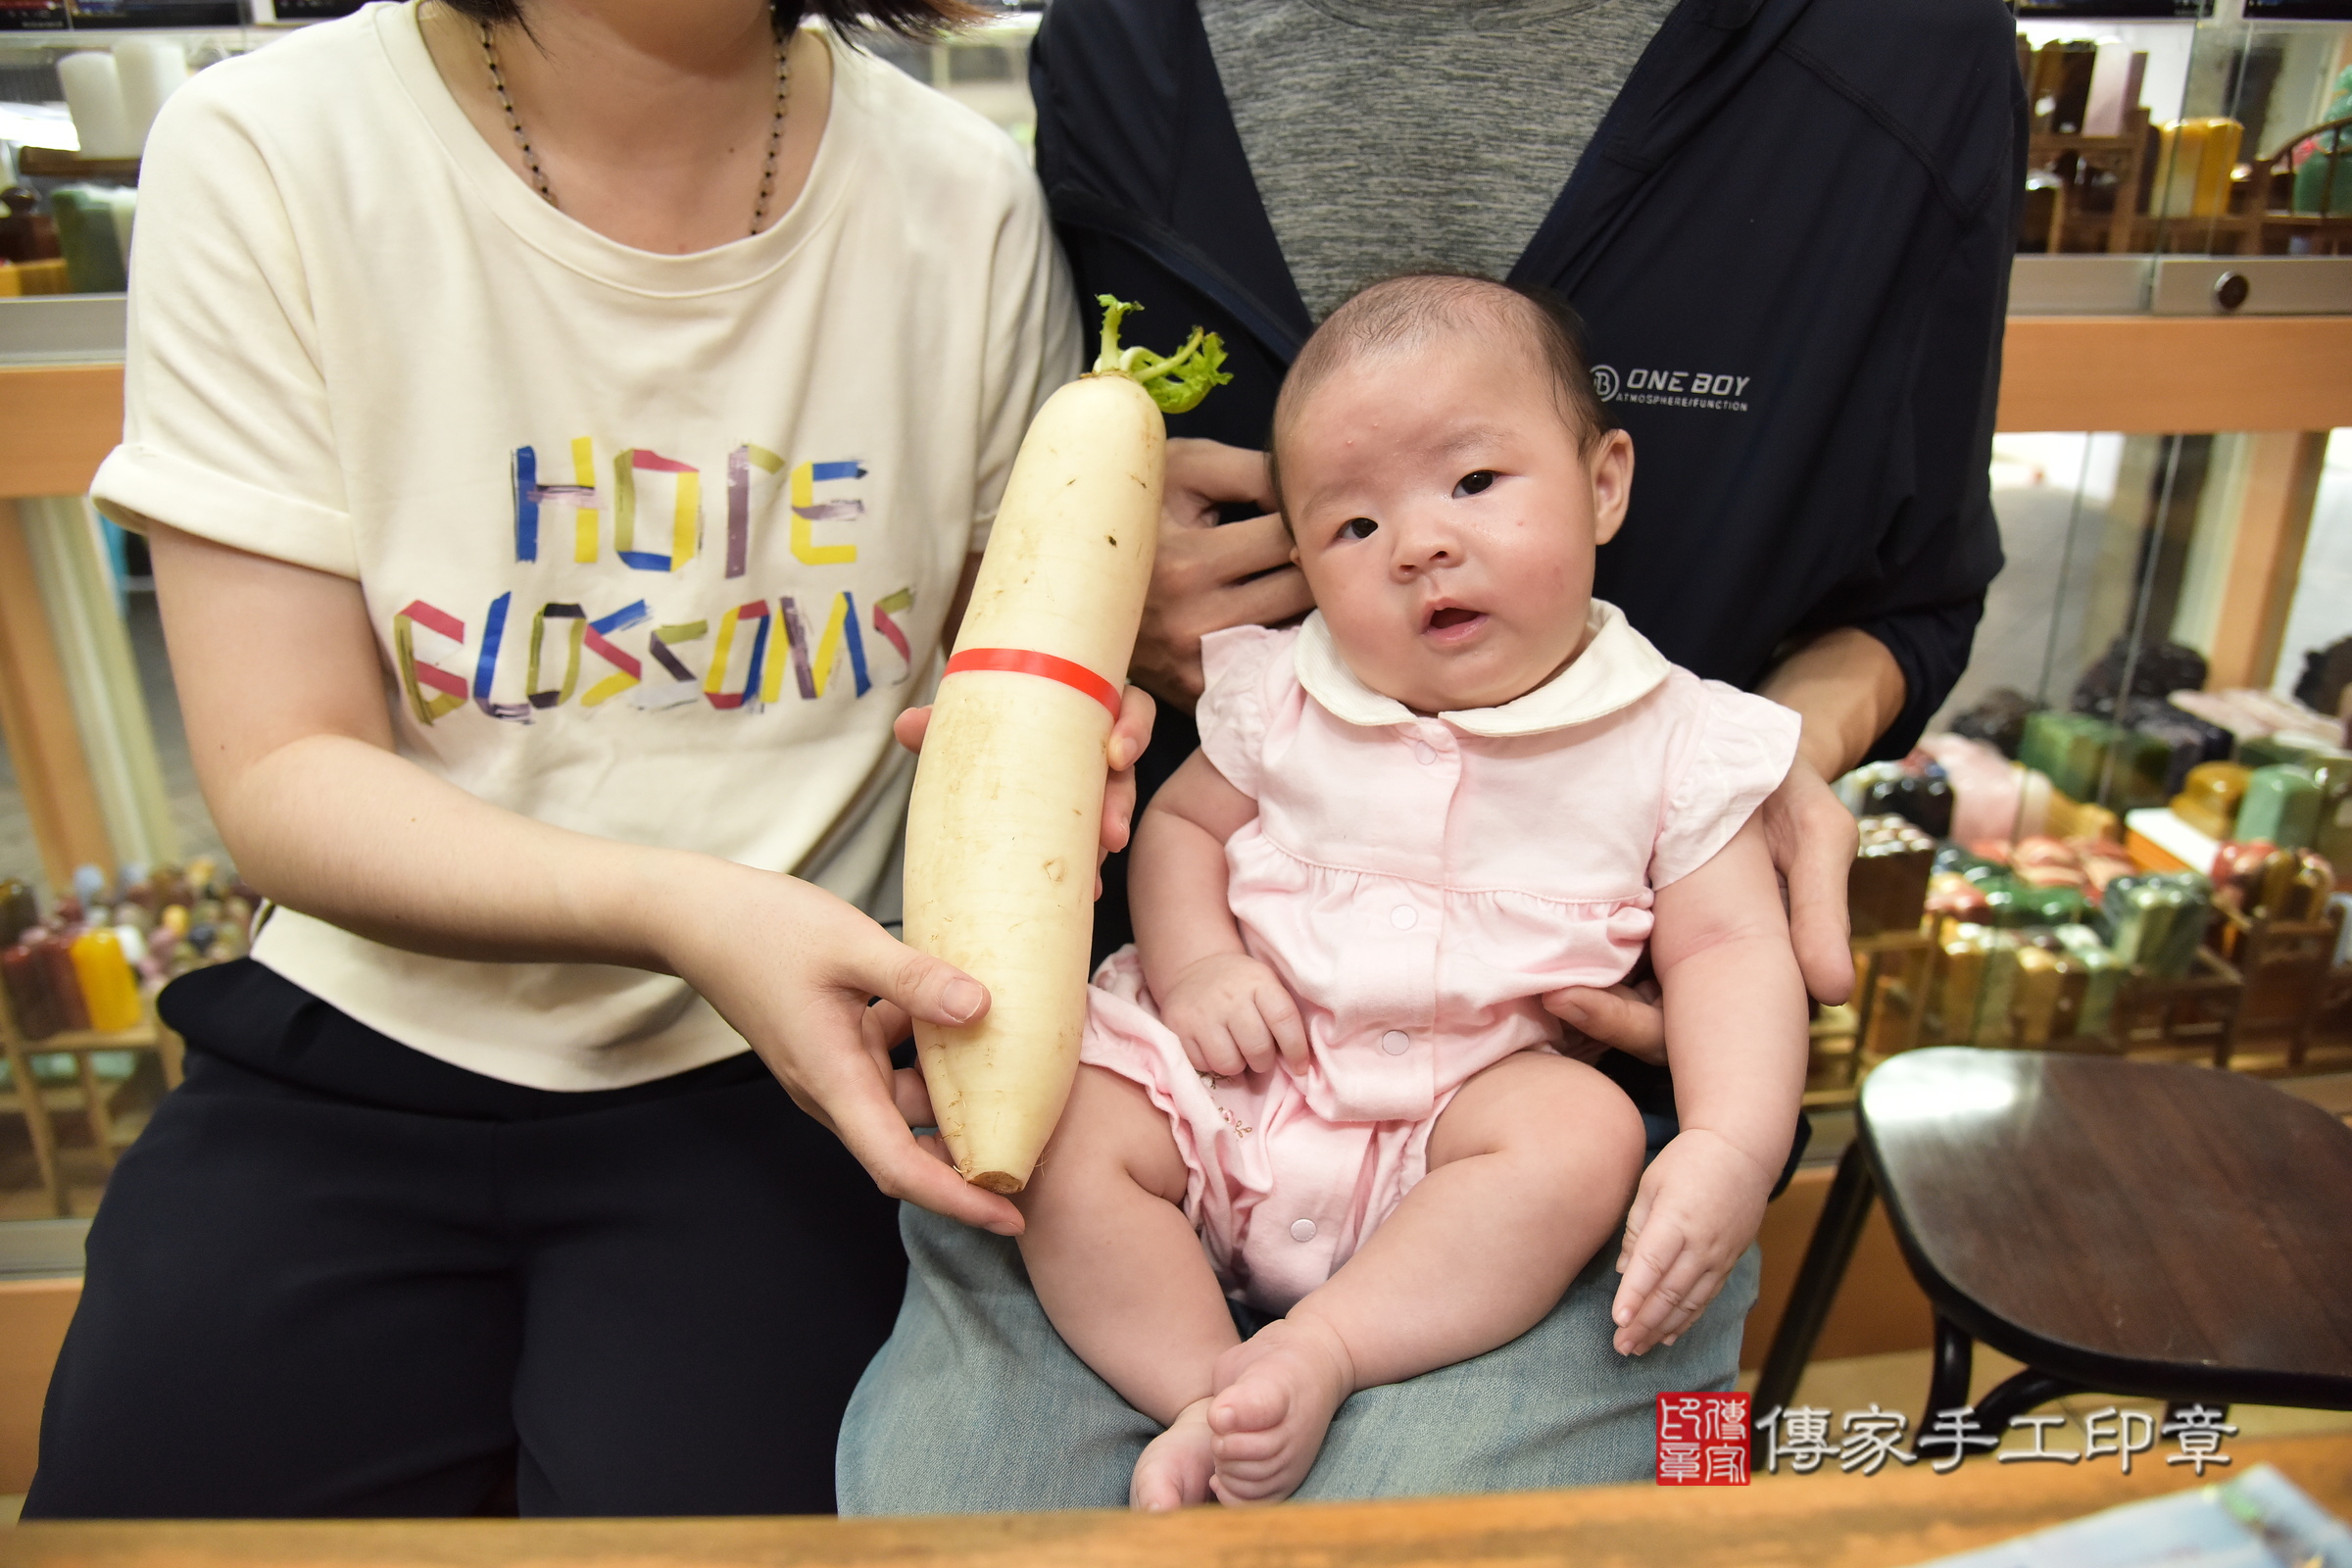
1789	239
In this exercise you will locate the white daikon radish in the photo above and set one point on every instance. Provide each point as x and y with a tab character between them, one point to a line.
1007	810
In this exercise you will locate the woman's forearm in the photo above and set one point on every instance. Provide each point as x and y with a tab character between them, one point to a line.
365	839
282	689
1848	689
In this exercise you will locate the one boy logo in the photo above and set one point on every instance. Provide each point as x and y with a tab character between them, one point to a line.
1720	390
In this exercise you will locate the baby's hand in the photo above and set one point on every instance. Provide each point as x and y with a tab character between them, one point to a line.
1699	1205
1233	1014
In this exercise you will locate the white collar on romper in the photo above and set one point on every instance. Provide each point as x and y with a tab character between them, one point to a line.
1617	668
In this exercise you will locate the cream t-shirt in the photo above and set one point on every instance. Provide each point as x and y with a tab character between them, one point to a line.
654	547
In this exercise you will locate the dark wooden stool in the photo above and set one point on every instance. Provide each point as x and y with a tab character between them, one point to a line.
2132	1228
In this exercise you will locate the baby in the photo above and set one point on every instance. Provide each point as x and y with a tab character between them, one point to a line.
1324	1080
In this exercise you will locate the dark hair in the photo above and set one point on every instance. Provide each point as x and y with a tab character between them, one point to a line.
917	20
1409	307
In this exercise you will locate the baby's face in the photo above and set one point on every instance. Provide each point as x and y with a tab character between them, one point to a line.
1446	519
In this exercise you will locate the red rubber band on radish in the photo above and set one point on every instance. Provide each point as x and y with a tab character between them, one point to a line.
1021	662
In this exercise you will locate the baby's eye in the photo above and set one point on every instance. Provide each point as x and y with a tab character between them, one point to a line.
1473	483
1357	528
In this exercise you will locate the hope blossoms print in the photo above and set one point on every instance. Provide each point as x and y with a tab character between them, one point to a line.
699	646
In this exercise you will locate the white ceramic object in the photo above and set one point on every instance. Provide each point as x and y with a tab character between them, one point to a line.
95	97
150	70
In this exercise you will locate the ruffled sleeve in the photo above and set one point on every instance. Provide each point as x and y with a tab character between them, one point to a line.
1737	750
1240	666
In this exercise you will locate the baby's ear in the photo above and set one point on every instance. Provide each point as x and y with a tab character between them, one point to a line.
1612	468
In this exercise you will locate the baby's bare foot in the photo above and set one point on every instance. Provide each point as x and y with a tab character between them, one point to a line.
1175	1466
1276	1395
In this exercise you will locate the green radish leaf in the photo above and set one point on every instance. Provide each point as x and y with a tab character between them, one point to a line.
1177	381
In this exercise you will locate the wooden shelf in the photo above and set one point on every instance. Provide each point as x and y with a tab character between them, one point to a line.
2138	374
57	162
91	1099
142	1036
2165	376
57	424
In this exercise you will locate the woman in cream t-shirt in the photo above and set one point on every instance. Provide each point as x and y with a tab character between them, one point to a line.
562	432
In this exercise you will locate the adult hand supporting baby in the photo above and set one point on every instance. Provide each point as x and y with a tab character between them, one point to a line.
1848	689
1811	839
1625	1017
1208	577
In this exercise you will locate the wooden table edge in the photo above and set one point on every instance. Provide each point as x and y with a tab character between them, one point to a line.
1897	1517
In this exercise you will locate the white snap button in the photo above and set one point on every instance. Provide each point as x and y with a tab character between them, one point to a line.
1403	917
1424	753
1395	1042
1303	1229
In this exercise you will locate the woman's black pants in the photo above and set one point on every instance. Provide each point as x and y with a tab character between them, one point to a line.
335	1276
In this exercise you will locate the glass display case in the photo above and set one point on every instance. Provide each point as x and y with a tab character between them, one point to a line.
2122	831
81	82
2186	128
986	68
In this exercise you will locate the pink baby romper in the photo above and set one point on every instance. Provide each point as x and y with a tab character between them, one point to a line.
1419	883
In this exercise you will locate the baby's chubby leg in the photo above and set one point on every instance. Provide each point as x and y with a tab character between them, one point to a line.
1531	1168
1121	1274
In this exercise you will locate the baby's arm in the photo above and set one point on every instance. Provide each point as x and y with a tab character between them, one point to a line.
1736	1027
1230	1010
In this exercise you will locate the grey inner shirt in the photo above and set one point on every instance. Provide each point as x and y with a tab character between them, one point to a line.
1389	134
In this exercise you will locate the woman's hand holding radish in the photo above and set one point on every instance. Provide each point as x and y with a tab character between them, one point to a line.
794	969
823	994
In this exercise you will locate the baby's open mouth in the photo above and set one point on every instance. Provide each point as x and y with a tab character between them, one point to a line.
1453	616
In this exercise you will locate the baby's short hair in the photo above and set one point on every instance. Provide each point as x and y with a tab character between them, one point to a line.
1410	307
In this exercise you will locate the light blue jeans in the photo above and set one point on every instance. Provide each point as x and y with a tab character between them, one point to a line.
976	1406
